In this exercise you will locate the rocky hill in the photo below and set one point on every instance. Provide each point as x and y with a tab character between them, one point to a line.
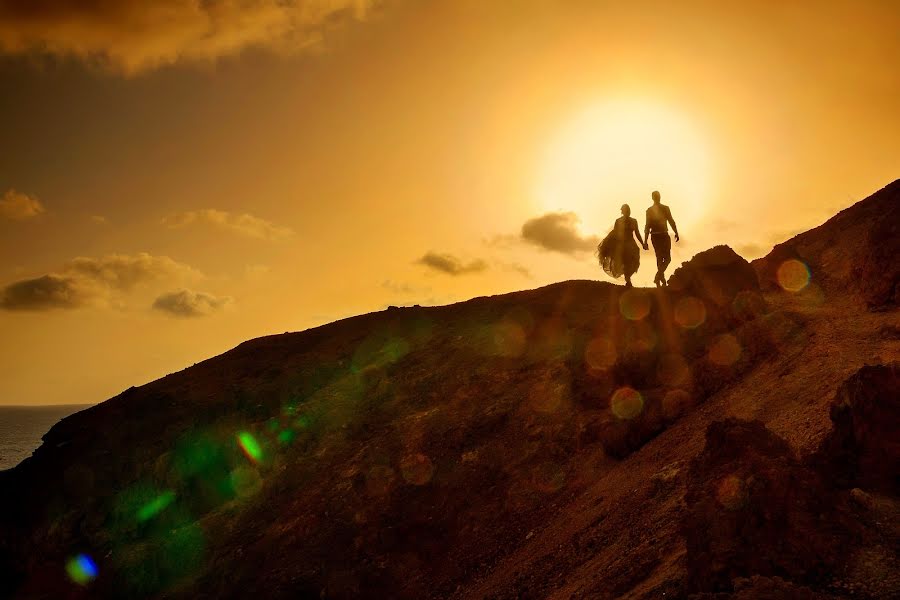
733	436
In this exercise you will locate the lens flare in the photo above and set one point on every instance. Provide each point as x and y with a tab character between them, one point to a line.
690	312
793	275
286	436
250	446
417	469
81	569
155	506
245	481
725	350
600	353
627	403
548	394
676	403
634	304
748	305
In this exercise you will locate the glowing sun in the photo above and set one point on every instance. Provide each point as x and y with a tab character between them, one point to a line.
618	152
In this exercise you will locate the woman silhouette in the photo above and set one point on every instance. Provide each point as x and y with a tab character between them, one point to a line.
618	252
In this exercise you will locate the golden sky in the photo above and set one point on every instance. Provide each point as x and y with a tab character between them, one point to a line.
177	177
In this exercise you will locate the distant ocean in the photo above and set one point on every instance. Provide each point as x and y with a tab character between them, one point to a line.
21	429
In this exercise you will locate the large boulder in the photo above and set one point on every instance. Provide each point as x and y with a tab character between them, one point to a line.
716	275
754	509
863	449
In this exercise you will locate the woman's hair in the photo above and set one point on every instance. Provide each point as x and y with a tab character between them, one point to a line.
626	210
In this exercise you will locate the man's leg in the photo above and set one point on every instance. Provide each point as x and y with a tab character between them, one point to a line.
660	258
666	256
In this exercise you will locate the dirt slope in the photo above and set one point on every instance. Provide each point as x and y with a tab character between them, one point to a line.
575	440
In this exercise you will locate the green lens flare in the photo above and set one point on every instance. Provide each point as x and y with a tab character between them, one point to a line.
250	446
155	506
81	569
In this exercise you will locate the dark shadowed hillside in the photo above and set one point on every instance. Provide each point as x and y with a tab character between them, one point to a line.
734	436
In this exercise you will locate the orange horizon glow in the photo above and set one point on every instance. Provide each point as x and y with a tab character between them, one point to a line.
171	192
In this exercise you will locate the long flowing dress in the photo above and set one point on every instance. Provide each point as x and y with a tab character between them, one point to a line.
618	253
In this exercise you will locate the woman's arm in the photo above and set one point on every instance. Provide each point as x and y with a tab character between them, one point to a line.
637	232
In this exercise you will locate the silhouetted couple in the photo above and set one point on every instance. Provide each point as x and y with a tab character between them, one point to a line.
619	253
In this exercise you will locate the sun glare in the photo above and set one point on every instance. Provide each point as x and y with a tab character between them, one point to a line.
618	152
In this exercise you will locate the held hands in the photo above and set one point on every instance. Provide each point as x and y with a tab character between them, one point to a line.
646	247
676	237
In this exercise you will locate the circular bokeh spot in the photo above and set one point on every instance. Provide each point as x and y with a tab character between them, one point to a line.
548	394
793	275
416	469
626	403
812	296
676	403
748	305
725	350
245	481
600	353
690	312
672	370
634	304
81	569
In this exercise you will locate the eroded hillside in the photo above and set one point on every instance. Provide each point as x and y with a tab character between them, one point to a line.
577	440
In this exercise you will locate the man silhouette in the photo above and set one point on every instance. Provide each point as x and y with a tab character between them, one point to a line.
657	231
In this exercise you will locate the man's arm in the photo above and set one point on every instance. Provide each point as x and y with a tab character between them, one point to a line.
637	231
672	222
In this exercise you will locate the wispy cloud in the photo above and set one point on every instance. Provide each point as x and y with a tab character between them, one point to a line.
451	265
186	303
85	281
242	224
17	206
558	232
135	35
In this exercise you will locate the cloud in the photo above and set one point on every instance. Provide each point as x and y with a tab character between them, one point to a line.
449	264
401	288
17	206
123	272
85	281
99	220
558	232
241	224
45	293
517	268
135	35
186	303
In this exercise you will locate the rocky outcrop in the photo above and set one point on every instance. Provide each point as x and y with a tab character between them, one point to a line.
755	510
852	254
863	450
716	275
